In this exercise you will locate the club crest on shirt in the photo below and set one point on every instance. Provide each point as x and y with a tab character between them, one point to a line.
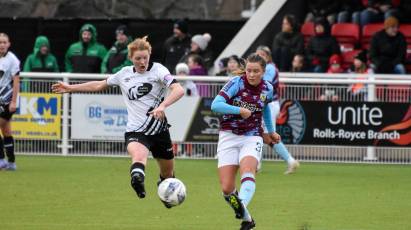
263	97
127	79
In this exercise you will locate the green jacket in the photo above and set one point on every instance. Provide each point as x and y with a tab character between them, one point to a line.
85	57
36	62
116	58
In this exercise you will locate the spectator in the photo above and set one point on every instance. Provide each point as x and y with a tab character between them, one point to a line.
323	8
117	57
388	49
298	64
287	43
350	11
233	65
190	88
199	44
176	45
321	46
86	55
41	60
196	65
332	92
404	11
377	11
359	90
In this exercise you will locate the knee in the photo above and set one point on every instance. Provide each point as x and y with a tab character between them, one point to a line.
227	188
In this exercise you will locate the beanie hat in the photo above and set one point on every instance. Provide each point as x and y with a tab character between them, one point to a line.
182	68
181	24
390	22
362	56
201	40
335	59
123	30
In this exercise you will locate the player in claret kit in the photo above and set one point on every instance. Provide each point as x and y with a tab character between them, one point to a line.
143	87
243	101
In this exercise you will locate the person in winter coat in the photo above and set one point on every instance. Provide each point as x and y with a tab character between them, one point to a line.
41	60
117	57
388	49
177	45
287	43
321	46
199	46
86	55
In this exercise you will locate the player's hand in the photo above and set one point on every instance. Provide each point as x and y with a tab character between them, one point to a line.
245	113
271	138
158	113
60	87
12	107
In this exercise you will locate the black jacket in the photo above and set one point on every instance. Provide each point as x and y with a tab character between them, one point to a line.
174	49
386	51
293	41
321	47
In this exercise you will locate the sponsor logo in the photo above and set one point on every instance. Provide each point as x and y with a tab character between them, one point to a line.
291	122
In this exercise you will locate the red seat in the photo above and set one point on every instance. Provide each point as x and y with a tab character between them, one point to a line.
347	35
396	3
365	3
367	32
307	30
348	58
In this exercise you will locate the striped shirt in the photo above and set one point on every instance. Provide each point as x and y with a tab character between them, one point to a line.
142	93
9	68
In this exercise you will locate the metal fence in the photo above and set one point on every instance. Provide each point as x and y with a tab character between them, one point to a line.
382	88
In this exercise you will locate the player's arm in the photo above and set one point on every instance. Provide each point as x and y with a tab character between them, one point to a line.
91	86
16	90
220	105
176	92
271	137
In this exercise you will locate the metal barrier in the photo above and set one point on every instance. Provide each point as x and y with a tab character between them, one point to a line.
382	88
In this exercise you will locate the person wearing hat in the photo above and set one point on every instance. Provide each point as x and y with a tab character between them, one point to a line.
358	91
335	64
176	45
388	49
117	57
321	46
199	46
86	55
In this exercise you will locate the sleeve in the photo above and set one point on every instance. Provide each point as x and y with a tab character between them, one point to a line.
27	64
268	122
15	68
114	79
230	89
103	67
164	76
67	61
55	64
220	105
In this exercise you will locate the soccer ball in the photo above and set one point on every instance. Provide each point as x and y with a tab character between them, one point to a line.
172	191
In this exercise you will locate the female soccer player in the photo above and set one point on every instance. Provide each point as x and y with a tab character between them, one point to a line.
271	75
243	101
143	86
9	89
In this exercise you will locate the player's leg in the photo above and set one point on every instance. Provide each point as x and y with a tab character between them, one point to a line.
280	148
3	162
137	148
250	155
9	146
227	155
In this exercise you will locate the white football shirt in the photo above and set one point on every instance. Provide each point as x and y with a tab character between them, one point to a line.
142	93
9	67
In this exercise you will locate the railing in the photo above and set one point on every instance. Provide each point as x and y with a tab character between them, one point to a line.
381	88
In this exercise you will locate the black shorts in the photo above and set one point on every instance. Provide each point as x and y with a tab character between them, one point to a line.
5	112
159	144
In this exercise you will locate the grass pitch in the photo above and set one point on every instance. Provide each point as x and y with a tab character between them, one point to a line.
79	193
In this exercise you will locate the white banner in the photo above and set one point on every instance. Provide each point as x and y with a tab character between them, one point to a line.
104	117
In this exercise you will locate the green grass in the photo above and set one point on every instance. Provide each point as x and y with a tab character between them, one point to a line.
94	193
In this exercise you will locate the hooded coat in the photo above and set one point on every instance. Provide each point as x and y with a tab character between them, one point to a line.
85	57
116	58
37	62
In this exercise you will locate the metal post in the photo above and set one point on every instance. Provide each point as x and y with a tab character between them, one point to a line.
65	123
371	156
